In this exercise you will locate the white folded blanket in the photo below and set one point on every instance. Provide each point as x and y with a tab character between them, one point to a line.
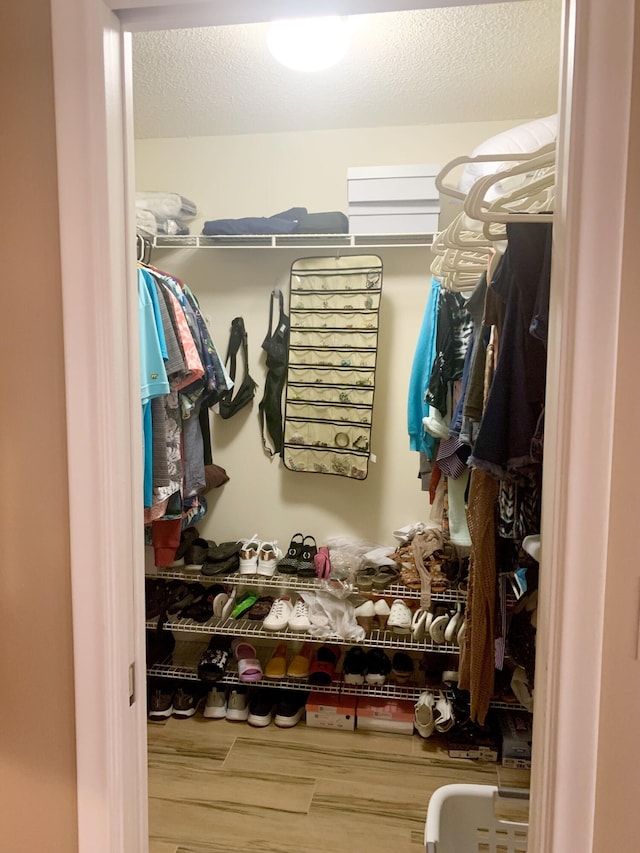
146	221
166	204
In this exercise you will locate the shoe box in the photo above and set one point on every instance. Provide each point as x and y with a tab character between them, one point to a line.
482	744
331	711
516	739
385	715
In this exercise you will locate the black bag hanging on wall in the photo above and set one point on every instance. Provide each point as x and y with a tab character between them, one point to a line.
231	403
276	346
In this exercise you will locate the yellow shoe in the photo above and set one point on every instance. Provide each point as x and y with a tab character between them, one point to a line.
277	666
299	666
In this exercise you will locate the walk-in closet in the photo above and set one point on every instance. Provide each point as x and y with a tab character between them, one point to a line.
312	567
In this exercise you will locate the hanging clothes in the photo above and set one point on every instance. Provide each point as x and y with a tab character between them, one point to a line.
423	360
455	326
153	375
516	397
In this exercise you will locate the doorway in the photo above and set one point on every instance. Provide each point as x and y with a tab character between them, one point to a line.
82	111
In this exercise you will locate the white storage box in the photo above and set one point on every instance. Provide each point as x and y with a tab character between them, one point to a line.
370	222
392	183
393	199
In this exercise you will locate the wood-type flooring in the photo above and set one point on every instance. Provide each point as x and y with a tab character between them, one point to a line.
222	787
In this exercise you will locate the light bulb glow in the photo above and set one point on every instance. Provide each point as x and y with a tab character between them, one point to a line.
309	44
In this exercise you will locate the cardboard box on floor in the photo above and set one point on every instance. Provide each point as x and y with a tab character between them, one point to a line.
331	711
385	715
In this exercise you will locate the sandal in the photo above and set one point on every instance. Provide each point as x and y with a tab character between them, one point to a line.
277	665
385	576
179	595
223	551
289	564
324	666
244	603
261	608
221	567
197	550
444	718
249	667
322	563
364	578
306	565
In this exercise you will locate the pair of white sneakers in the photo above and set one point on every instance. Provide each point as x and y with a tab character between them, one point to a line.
233	705
259	557
285	614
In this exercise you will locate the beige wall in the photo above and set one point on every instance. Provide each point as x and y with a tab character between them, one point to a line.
37	748
261	174
234	176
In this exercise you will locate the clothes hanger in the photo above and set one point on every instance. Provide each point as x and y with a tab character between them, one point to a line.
453	192
526	196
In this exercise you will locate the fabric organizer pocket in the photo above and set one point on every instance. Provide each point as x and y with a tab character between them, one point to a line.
330	278
321	461
334	338
320	375
337	300
334	305
325	357
329	394
335	436
349	318
338	413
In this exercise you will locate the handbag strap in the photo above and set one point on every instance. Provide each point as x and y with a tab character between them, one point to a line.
237	338
276	293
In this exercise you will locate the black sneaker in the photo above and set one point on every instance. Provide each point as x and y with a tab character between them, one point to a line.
185	703
378	667
214	660
290	708
160	704
261	707
354	665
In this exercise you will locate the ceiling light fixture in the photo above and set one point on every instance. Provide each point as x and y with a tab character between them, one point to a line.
309	44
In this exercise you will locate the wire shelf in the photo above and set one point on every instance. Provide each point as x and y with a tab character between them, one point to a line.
183	665
290	241
293	583
247	628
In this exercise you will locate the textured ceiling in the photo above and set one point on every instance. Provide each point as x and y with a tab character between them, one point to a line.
469	63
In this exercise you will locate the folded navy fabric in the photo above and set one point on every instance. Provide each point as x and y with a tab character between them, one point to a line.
281	223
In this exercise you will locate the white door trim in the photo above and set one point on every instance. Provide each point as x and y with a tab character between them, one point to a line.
104	443
595	102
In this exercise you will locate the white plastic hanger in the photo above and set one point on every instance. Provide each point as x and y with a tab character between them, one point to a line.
505	157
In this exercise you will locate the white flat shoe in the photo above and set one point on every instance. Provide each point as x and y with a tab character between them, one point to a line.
438	628
423	717
443	717
417	625
451	632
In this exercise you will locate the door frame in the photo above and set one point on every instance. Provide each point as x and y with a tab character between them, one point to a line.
95	178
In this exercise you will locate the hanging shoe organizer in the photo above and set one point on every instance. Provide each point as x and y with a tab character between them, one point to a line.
333	307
